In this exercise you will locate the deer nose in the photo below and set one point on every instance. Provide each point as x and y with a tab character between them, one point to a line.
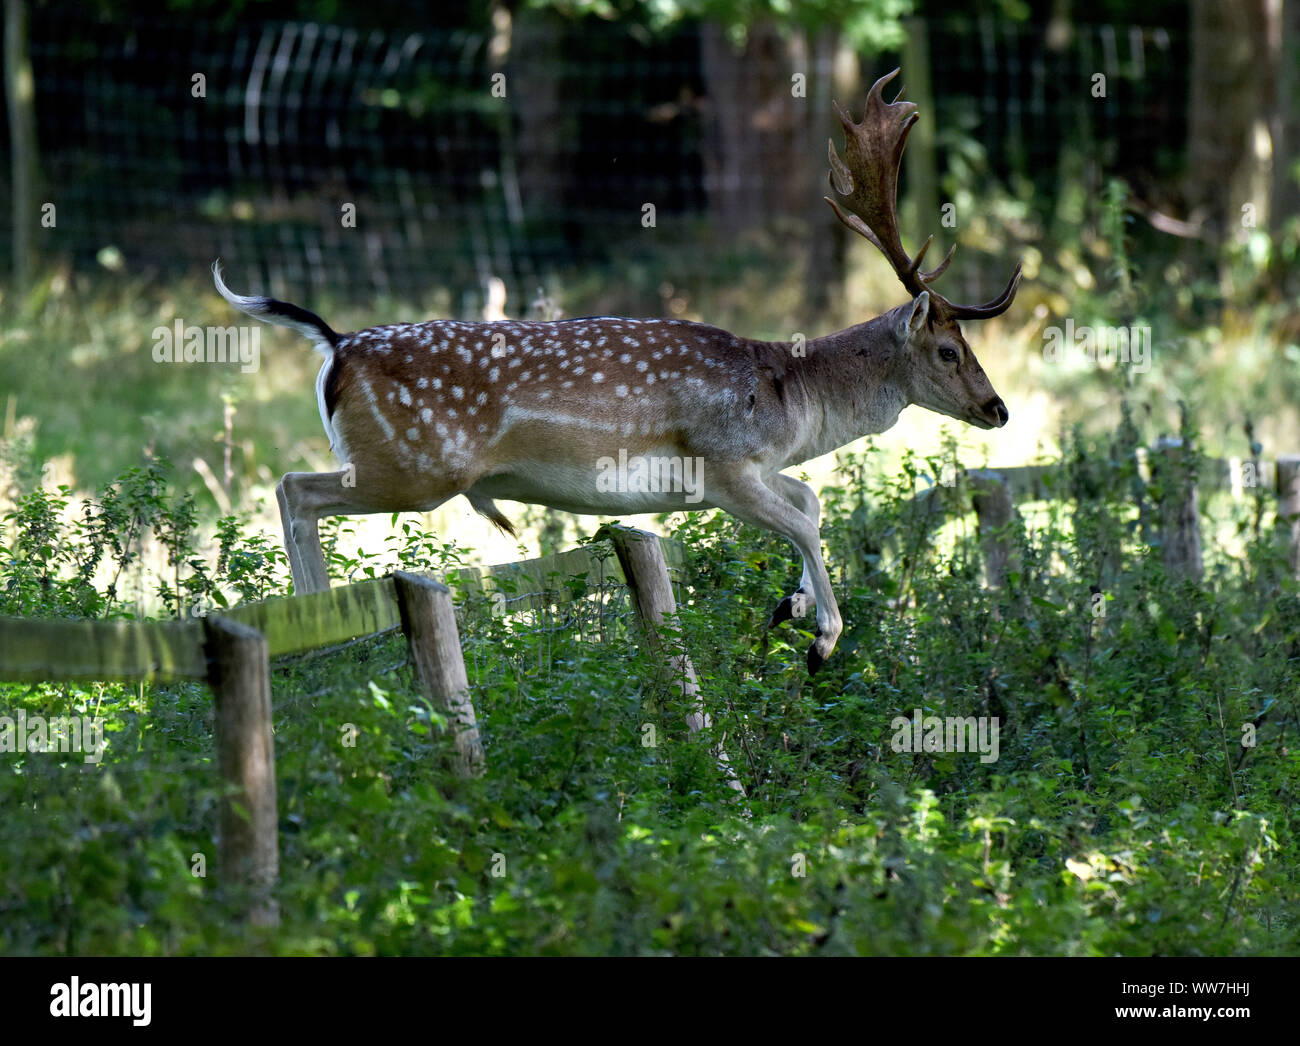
997	412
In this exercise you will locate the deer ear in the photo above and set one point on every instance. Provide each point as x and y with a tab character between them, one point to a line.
914	320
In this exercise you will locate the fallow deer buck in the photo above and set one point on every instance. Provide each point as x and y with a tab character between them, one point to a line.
418	413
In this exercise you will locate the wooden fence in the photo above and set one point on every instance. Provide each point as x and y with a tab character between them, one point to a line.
231	652
1168	509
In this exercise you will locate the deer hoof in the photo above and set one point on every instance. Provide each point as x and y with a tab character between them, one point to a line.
784	612
821	649
815	660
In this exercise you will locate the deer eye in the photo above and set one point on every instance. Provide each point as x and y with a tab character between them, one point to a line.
948	355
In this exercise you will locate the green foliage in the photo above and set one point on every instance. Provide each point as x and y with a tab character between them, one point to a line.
1122	816
869	25
61	565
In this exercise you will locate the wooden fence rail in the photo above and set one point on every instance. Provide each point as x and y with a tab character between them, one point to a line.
231	652
1172	483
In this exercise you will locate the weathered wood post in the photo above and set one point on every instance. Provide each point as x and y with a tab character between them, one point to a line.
992	501
1173	468
239	673
429	621
1288	504
646	572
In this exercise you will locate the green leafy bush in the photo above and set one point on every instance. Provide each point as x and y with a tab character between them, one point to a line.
1123	814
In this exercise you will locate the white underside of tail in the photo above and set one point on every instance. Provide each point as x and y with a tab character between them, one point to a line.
336	444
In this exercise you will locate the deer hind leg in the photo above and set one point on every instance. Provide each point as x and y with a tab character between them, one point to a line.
801	496
305	498
750	500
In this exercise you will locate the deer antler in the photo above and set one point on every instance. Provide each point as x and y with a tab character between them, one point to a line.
869	184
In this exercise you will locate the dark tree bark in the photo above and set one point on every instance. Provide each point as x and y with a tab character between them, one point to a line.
20	96
1232	91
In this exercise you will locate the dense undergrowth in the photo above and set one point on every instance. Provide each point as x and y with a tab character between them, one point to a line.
1123	814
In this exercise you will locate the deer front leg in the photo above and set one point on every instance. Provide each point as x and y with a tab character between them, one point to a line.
801	496
750	500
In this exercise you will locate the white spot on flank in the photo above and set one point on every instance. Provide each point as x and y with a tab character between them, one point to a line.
458	392
426	416
620	390
598	377
423	383
412	434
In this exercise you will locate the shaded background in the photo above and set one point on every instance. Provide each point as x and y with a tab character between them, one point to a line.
390	107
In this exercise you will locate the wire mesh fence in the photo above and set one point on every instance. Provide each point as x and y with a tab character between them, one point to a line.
401	162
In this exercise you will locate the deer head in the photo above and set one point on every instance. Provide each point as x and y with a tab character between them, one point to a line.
941	372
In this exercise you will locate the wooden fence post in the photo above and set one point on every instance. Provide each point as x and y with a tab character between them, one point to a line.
1180	532
1288	504
992	500
646	572
429	621
239	673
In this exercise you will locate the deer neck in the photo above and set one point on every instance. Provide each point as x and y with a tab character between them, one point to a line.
854	383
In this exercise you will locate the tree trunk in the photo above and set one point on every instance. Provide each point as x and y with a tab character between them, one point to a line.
754	129
1284	204
20	96
1227	150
